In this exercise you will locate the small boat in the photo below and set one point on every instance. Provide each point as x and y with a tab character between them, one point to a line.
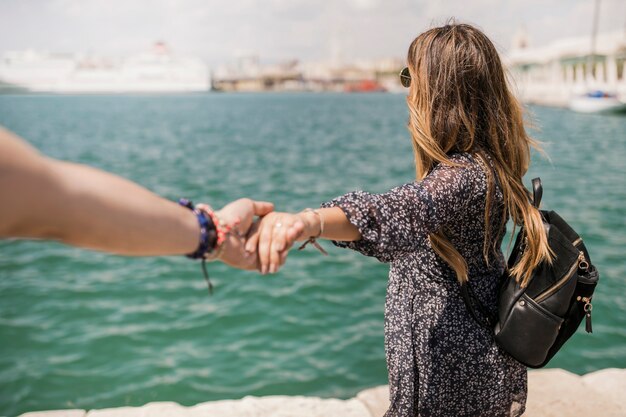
597	102
364	86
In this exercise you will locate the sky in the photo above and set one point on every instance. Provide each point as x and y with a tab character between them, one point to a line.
310	30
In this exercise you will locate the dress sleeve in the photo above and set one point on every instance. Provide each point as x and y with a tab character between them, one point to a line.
401	219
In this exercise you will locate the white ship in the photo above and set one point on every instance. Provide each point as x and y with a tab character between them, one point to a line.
155	71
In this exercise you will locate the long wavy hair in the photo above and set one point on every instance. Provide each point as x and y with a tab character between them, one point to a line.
460	101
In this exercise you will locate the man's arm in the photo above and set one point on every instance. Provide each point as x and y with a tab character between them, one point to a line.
82	206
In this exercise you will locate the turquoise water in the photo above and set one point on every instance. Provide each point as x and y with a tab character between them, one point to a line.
88	330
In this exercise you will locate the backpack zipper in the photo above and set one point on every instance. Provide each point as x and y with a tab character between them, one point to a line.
580	263
587	308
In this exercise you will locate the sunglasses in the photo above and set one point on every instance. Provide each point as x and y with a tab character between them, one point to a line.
405	77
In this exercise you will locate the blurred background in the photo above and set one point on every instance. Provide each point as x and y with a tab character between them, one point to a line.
293	102
554	48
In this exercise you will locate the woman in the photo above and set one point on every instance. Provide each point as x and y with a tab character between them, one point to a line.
471	152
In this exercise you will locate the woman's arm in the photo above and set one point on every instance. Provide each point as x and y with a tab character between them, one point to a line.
82	206
336	225
276	233
381	225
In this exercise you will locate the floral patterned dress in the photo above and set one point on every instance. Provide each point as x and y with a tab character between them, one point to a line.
440	361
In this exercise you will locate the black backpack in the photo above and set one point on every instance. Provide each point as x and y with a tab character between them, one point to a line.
534	322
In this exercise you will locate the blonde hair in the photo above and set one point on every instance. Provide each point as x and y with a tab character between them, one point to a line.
459	101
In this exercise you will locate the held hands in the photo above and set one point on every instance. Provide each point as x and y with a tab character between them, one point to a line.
274	234
240	215
264	244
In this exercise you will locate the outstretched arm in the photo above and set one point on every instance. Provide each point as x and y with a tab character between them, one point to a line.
381	225
82	206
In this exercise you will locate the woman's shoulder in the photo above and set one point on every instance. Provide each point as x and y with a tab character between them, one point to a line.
463	173
464	157
459	164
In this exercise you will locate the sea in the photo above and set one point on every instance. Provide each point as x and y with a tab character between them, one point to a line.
81	329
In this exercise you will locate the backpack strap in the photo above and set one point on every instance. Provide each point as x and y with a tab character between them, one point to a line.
469	297
537	192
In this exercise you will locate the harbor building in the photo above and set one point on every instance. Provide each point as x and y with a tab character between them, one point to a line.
554	73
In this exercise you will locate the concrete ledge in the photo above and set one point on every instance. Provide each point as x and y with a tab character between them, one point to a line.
56	413
598	393
375	399
551	393
282	406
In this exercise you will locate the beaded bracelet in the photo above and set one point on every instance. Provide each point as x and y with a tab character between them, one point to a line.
209	239
221	228
210	243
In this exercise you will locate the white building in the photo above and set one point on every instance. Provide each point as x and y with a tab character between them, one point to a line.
553	73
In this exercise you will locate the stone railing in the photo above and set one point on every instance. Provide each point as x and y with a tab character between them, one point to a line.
551	393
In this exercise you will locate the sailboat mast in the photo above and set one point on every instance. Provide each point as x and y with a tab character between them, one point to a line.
594	35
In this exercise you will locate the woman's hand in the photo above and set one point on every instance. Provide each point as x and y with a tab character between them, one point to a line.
239	215
274	234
